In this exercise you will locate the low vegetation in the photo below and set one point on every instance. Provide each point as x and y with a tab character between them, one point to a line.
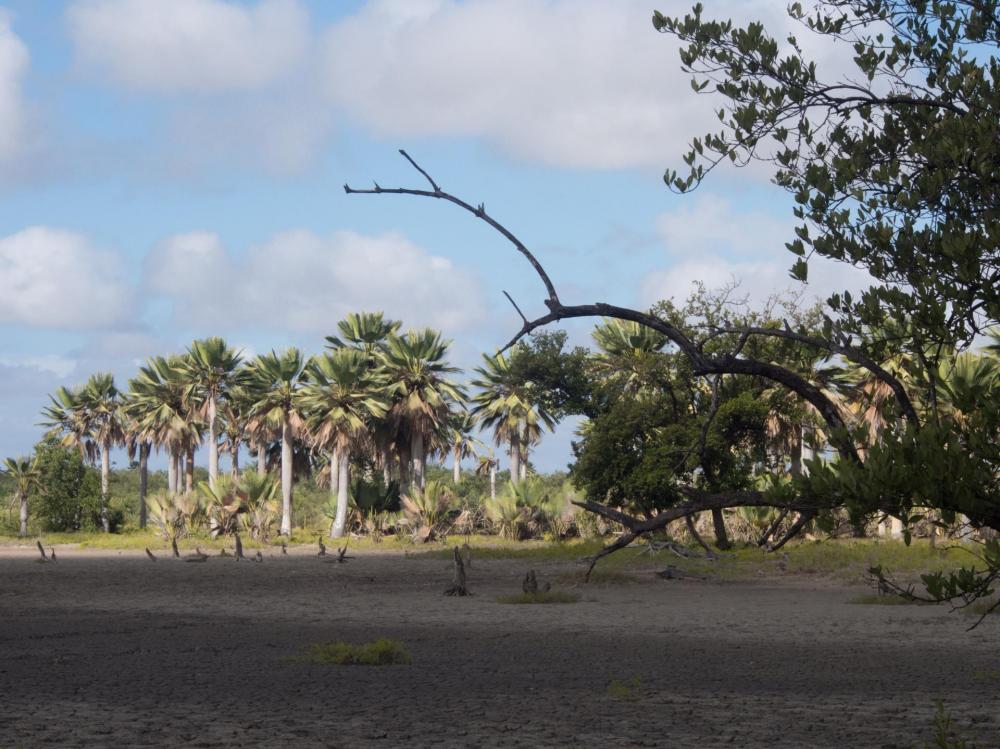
380	652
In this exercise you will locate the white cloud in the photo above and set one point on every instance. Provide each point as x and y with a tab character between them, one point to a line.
578	83
52	364
57	279
712	241
200	46
13	67
300	281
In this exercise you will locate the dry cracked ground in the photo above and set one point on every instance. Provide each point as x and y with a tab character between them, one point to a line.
111	649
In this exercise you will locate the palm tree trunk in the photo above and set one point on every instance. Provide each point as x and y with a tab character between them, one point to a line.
189	471
105	485
386	470
234	461
261	460
403	459
515	461
23	496
334	470
524	464
417	461
213	443
171	471
143	481
493	481
286	477
343	483
456	469
796	449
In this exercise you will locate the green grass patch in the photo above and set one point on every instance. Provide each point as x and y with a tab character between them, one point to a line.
626	691
380	652
548	596
987	676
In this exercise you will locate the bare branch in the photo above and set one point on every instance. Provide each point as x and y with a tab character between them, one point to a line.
419	169
511	300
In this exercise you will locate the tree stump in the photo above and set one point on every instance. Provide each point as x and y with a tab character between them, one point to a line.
41	550
150	554
173	545
530	583
239	548
458	582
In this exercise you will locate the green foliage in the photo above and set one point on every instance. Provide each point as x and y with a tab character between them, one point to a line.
380	652
626	691
946	733
71	490
175	515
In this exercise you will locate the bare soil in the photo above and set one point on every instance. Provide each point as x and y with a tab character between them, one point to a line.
111	649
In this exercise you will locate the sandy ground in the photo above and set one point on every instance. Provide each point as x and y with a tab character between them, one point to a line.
114	650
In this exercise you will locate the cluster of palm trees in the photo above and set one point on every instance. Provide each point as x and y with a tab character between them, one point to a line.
377	399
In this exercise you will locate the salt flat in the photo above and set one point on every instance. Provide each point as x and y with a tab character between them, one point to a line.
110	649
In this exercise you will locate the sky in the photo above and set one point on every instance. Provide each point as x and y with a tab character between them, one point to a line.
174	169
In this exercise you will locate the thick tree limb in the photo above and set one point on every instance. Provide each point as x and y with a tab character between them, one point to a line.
702	365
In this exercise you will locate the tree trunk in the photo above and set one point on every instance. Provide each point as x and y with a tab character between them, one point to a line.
24	513
456	469
189	471
143	481
234	461
286	477
386	470
213	443
403	460
335	470
343	484
417	461
515	460
105	485
171	471
797	450
719	523
493	480
524	465
261	460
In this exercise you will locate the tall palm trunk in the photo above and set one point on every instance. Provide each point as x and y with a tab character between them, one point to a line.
189	470
234	461
456	469
143	481
171	470
343	483
386	470
105	485
261	460
286	477
515	460
334	486
23	496
493	481
213	443
524	464
417	461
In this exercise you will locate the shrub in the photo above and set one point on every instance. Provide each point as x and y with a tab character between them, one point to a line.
380	652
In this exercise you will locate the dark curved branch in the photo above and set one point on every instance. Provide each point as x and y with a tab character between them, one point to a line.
701	364
851	353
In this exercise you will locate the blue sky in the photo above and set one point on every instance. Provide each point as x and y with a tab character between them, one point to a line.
171	169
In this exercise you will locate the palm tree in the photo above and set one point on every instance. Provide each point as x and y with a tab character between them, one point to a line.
92	418
421	392
461	443
365	331
629	353
26	476
504	404
273	380
213	369
341	398
487	466
157	403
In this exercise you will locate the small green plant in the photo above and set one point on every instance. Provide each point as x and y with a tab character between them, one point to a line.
946	734
987	676
627	691
380	652
548	596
